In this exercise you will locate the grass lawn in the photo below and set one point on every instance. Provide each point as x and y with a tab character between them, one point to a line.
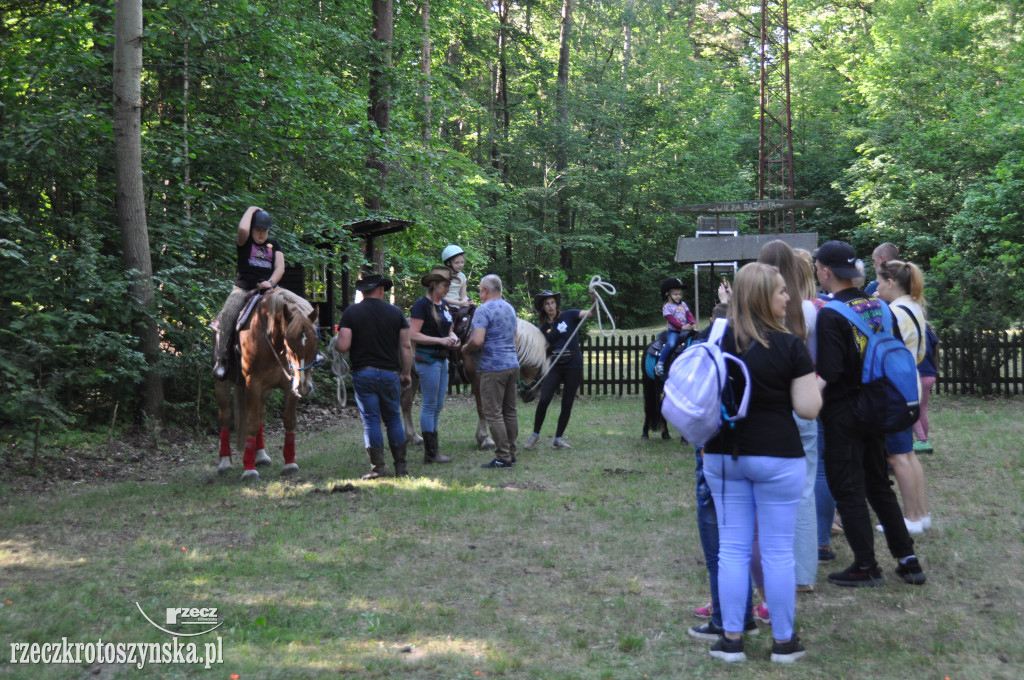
575	564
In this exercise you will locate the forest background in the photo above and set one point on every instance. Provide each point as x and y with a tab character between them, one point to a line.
550	138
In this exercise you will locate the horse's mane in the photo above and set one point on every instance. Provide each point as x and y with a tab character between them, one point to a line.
284	304
531	347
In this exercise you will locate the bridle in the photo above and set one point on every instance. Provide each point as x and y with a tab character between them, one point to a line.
317	362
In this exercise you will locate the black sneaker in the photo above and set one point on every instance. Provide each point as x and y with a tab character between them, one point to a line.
787	652
730	651
825	554
911	572
858	577
710	631
497	464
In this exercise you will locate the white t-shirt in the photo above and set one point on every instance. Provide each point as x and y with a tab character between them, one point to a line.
455	292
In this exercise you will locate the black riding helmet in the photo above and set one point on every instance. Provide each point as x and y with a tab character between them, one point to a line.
261	220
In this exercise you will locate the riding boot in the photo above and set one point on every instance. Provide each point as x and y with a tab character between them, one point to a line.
376	463
430	451
398	453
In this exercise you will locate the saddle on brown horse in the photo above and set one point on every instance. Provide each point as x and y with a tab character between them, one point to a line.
233	362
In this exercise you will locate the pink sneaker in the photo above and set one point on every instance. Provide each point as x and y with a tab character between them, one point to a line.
761	613
703	612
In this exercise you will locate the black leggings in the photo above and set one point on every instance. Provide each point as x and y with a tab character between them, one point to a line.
570	378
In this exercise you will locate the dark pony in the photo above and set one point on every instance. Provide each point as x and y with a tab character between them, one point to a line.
653	385
531	349
275	347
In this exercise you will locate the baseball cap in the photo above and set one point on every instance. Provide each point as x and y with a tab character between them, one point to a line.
839	257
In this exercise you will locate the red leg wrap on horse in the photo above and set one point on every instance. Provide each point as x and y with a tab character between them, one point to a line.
289	447
259	438
225	443
249	459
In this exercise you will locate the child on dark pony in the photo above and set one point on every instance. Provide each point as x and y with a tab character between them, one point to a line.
679	319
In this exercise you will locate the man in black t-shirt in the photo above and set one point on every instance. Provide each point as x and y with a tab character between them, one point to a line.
855	463
260	266
376	335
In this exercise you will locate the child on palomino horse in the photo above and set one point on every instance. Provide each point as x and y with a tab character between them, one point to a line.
260	266
454	258
679	319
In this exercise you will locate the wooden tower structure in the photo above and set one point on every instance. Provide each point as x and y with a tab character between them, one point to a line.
775	169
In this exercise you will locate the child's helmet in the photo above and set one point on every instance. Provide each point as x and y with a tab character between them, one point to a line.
450	252
260	220
669	284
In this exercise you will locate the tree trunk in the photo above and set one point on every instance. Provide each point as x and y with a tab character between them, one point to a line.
131	207
425	67
102	21
501	113
627	52
562	133
379	111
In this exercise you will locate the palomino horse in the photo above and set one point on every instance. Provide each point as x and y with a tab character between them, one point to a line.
277	347
531	348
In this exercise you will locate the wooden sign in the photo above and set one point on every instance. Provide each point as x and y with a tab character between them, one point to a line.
758	206
736	248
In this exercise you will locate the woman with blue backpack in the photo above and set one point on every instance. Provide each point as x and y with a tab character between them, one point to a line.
901	284
755	467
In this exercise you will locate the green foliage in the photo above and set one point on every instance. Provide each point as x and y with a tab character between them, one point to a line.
906	120
978	275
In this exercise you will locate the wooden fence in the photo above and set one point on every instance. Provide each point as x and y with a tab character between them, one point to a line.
987	363
984	363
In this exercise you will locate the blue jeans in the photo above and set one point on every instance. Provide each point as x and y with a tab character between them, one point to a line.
671	340
805	545
764	490
824	504
434	386
707	527
377	396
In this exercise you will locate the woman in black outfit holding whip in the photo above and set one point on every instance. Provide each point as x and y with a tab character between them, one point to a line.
559	329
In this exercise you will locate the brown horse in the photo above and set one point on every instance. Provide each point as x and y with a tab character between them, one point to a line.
276	347
531	348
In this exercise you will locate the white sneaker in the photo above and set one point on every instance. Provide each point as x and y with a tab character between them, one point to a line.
560	443
532	441
926	522
914	527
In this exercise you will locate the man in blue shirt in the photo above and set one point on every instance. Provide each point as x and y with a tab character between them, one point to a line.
493	346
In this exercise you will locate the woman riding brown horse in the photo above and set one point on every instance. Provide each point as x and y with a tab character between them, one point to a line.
277	347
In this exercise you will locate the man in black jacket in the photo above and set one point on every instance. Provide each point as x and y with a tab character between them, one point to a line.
855	463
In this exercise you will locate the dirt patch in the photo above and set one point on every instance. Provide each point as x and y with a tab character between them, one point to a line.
135	455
